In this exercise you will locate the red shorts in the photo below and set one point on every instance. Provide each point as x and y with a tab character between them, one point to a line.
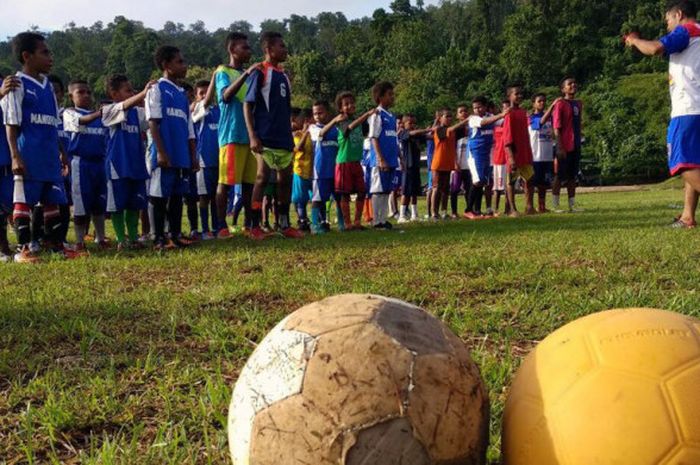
349	178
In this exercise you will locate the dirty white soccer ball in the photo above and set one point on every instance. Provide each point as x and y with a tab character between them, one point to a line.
359	379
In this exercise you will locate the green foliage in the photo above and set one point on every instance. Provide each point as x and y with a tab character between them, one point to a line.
436	56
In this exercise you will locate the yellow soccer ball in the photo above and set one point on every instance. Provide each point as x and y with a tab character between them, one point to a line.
620	387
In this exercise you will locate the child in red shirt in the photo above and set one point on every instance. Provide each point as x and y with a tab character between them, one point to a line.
516	139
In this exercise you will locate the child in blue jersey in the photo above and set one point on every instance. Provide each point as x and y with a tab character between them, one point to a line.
173	152
38	160
267	112
480	144
384	154
206	128
60	93
325	152
6	181
541	139
86	149
125	162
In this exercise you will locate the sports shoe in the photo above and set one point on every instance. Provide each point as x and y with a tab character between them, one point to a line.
403	220
257	234
223	233
292	233
208	236
574	209
678	223
80	250
25	255
34	247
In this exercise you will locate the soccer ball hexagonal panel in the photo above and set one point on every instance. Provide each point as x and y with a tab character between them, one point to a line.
684	390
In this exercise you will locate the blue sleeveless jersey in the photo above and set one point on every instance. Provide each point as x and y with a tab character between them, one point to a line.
207	131
388	141
168	103
89	141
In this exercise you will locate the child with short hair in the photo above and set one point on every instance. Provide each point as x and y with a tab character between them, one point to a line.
349	177
38	160
566	119
541	141
384	153
480	144
410	138
267	112
516	140
125	160
445	157
86	149
499	161
173	152
6	177
324	137
303	165
206	128
461	180
237	164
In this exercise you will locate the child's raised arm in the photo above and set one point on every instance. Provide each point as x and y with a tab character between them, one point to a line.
492	119
340	117
358	122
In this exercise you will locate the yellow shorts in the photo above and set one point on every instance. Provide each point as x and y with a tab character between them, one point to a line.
237	165
526	172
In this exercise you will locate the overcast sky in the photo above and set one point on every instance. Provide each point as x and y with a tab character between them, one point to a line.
55	14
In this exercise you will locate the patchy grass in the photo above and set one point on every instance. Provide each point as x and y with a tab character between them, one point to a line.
131	358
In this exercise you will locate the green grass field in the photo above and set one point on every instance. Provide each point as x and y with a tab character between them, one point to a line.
131	359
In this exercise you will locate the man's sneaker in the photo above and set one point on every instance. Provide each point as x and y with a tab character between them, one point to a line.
208	236
292	233
223	233
388	226
403	220
257	234
25	255
678	223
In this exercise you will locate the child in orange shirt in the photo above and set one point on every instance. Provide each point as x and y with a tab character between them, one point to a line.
445	158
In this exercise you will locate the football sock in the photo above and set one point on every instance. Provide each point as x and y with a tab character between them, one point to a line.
99	222
80	230
204	217
119	226
175	215
131	218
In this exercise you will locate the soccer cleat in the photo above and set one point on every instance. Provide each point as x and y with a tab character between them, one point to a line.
80	250
223	233
257	234
292	233
25	255
678	223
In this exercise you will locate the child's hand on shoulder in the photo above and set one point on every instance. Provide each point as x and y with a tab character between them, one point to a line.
9	84
254	67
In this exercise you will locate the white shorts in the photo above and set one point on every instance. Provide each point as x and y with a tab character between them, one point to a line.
500	173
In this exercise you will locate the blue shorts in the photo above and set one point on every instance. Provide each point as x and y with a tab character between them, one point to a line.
544	173
206	180
30	192
322	190
301	190
126	194
396	180
480	168
167	182
683	141
88	187
368	178
382	182
6	189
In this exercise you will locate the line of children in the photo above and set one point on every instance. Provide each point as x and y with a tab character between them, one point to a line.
250	135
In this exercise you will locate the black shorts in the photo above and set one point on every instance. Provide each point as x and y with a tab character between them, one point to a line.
411	182
569	166
544	172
